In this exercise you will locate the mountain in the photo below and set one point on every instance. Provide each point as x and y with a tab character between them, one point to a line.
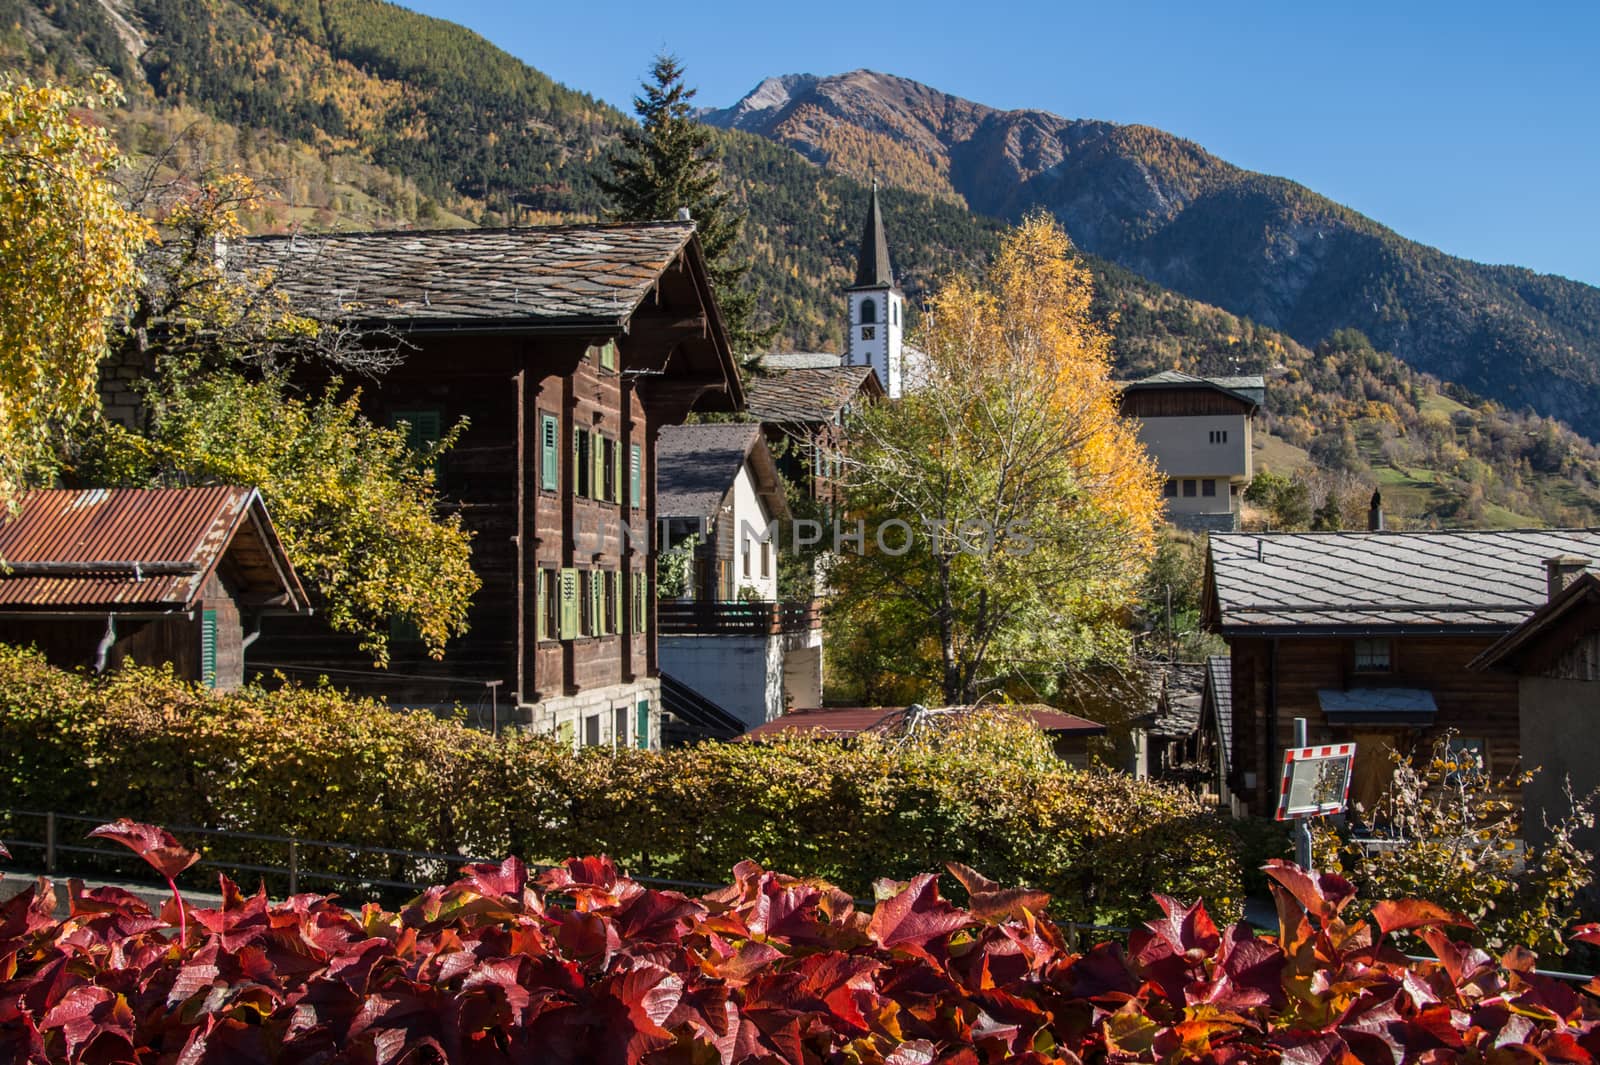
361	114
1259	246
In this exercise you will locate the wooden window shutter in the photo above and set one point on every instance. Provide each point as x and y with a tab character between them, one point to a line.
608	355
596	603
597	455
641	727
208	648
564	733
578	456
544	605
636	478
549	452
616	471
569	604
614	583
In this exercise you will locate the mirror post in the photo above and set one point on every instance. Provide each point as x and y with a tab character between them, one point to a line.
1302	828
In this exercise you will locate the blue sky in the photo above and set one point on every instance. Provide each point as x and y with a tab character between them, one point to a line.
1470	126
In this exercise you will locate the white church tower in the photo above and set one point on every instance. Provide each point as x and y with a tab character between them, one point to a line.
877	307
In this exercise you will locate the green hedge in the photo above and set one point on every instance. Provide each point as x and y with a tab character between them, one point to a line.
317	764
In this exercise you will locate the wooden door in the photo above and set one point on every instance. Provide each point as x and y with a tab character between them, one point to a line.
1373	769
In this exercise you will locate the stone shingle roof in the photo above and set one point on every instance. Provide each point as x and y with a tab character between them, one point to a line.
1342	583
696	465
542	275
1182	687
1219	687
802	360
1250	387
808	395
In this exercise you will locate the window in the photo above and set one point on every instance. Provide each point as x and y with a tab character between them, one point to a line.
582	463
208	648
635	477
894	308
746	554
608	355
1219	436
1372	656
422	432
571	604
1170	489
609	469
613	623
1208	487
549	452
586	602
766	558
869	311
641	728
549	604
1189	487
591	730
619	726
1468	756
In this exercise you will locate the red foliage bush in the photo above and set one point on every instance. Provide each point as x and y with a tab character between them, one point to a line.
583	965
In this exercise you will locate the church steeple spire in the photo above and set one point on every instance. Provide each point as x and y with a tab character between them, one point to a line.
872	262
876	306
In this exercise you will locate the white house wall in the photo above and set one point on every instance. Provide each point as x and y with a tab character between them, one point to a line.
750	518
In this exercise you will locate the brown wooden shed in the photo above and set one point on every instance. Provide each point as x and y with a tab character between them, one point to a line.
103	576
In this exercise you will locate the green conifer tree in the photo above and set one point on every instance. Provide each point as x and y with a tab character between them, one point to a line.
669	162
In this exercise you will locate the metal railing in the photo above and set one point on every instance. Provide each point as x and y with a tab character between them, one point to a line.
1079	935
761	617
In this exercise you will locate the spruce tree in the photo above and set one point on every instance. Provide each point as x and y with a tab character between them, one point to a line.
669	162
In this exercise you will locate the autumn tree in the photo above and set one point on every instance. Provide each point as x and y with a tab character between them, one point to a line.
1005	512
669	162
68	249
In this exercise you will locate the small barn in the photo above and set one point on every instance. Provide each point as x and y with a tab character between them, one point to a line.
100	577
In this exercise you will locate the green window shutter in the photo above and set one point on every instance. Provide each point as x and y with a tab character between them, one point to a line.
208	648
597	591
564	733
423	429
618	623
635	478
641	727
543	604
569	604
641	601
608	355
616	471
597	452
549	451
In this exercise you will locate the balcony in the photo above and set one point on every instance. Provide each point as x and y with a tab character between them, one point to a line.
693	618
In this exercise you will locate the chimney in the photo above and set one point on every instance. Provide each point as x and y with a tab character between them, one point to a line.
684	215
1375	514
1561	571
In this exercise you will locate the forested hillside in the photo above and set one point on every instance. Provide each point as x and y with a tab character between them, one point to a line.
361	114
1170	211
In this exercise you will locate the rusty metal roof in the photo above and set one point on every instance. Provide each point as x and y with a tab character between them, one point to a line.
153	548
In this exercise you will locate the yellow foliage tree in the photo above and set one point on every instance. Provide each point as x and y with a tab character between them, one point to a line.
1006	512
68	252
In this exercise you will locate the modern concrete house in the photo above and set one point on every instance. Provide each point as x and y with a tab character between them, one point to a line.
730	638
1198	431
1555	656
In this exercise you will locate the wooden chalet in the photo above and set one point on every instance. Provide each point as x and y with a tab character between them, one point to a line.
567	349
1368	636
1555	657
801	401
99	577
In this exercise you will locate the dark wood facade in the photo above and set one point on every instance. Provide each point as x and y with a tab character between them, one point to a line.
1278	680
554	476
